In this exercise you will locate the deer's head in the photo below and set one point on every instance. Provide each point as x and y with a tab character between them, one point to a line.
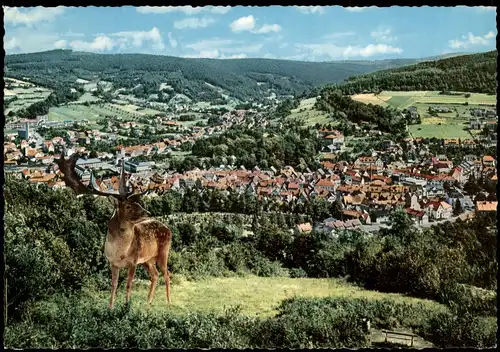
126	201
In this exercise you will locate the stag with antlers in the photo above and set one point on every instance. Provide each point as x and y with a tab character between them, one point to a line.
133	238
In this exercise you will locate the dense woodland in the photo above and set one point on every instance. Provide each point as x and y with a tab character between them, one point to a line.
452	263
295	146
143	74
466	73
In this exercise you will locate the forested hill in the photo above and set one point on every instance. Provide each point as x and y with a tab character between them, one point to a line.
466	73
199	79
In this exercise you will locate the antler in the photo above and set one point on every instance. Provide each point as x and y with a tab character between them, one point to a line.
71	179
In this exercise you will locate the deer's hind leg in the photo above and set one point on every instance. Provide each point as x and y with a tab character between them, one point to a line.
153	273
162	263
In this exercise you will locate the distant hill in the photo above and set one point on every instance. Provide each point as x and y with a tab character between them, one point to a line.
466	73
199	79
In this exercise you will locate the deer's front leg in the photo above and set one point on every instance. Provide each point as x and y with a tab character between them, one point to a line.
130	280
114	284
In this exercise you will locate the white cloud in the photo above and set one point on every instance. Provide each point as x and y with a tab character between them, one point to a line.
138	38
172	41
100	43
60	44
11	44
248	24
207	54
193	22
355	9
235	56
311	9
221	10
222	48
383	34
26	40
268	28
243	24
471	40
215	54
187	10
31	16
332	51
121	41
486	8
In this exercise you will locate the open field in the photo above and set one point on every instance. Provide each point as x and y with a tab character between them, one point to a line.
439	127
444	125
402	100
26	93
371	99
306	112
78	112
95	112
88	97
257	296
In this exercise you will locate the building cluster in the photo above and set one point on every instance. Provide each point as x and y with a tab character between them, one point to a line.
367	190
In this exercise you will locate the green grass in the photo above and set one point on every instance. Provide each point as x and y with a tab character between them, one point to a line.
446	131
402	100
257	296
77	112
25	97
88	97
308	115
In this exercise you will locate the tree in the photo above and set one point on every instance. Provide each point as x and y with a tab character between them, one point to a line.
457	208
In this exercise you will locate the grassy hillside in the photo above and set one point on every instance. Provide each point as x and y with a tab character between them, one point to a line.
466	73
201	79
257	296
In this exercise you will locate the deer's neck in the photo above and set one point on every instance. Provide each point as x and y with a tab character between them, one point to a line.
122	225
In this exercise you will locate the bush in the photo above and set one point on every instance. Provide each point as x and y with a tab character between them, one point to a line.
383	314
75	323
463	330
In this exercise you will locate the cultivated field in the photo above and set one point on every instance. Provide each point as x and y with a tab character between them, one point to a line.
26	93
402	100
371	99
95	112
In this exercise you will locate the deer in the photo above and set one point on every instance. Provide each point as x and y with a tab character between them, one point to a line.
133	237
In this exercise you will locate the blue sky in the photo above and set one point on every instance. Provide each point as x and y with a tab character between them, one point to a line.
312	33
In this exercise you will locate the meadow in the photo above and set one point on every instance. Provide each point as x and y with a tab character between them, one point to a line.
305	112
256	296
95	112
404	99
26	96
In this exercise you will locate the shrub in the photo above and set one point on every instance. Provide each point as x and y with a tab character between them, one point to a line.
463	330
76	323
